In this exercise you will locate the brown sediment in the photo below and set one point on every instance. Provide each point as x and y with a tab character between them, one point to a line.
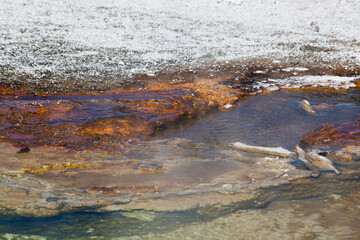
46	167
344	134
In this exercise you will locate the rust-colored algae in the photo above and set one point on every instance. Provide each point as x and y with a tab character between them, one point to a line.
107	120
46	167
111	119
55	166
357	82
344	134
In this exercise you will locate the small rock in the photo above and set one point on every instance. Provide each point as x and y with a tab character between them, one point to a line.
336	196
301	69
150	167
279	151
24	150
315	26
273	88
352	149
52	199
305	105
344	157
227	186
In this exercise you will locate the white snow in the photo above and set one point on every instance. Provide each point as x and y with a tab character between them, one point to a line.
301	69
89	39
287	69
336	82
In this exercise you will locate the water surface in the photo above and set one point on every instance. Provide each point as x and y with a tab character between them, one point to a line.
323	208
272	119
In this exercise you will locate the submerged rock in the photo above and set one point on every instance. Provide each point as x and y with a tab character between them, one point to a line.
23	150
279	151
348	157
343	134
344	157
150	167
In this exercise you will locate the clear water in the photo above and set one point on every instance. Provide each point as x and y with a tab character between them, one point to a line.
323	208
272	119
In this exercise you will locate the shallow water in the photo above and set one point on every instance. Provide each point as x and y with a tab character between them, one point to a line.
319	208
326	216
272	119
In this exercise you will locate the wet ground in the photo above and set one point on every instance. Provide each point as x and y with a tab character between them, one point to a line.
204	189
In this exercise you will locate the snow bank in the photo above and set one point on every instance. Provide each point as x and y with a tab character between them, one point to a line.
335	82
93	39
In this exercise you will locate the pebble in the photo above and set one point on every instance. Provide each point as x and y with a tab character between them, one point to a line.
52	199
336	196
23	150
150	167
305	105
227	186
